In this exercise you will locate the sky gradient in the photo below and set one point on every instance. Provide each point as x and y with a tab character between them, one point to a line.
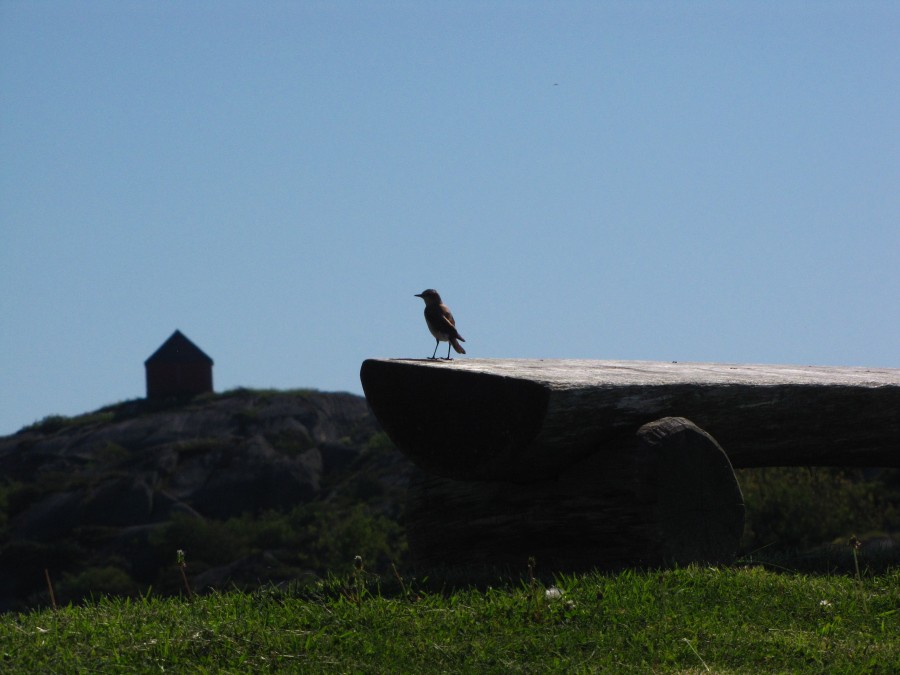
692	181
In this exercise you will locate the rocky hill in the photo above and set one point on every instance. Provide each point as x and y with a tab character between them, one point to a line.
254	485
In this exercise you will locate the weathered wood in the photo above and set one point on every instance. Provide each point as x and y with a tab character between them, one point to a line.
521	420
666	495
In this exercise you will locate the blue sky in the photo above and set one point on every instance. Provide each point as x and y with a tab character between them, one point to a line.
692	181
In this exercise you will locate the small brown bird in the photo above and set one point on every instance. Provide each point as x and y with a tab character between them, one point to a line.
440	322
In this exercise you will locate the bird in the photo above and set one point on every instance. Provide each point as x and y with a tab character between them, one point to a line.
440	322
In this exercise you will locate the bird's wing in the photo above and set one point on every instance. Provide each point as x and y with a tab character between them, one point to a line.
449	323
446	314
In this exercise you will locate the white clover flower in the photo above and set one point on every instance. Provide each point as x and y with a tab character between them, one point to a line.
553	593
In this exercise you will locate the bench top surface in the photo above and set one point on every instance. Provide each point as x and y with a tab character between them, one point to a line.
573	373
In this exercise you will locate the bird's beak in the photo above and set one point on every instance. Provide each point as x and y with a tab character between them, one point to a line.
418	295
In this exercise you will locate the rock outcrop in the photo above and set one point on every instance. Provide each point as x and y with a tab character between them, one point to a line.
107	480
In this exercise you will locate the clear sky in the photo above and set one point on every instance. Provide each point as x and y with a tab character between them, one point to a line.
692	181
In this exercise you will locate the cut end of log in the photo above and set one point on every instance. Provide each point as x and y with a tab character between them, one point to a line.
453	423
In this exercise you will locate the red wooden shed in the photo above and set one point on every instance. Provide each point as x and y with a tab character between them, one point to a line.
178	368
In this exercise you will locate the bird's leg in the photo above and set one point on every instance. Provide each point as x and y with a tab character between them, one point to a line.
448	351
436	343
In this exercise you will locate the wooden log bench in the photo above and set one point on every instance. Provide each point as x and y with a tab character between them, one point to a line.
605	464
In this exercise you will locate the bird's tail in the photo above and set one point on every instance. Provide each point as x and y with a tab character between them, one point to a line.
456	345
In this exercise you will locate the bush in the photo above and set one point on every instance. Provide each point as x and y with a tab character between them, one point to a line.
318	537
50	424
791	508
334	537
207	542
95	582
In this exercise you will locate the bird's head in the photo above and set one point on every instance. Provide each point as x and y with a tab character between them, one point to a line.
430	296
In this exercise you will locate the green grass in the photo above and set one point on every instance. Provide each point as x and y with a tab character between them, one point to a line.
742	620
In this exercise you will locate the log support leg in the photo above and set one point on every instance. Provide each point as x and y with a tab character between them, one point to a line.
666	496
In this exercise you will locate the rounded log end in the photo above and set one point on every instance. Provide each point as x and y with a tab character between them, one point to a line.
699	508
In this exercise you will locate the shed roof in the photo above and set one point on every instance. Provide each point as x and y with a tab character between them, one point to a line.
178	349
